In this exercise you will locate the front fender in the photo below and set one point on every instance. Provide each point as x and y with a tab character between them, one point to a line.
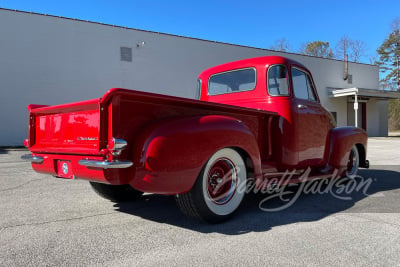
342	139
170	154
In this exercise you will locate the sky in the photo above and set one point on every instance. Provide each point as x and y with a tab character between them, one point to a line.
254	23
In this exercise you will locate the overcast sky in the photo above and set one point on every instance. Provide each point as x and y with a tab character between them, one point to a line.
252	23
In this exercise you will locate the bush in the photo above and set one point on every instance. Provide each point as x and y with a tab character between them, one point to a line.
394	114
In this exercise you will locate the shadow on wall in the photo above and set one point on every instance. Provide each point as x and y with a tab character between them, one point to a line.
7	149
250	218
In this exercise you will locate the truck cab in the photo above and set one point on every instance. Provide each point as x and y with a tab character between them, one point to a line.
302	131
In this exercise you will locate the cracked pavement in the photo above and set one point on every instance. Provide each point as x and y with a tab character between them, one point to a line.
45	221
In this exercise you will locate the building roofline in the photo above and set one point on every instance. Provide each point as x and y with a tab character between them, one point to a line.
376	93
175	35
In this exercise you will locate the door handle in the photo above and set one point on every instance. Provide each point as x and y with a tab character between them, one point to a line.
301	106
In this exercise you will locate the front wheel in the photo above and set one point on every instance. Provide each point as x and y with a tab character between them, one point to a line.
219	188
353	163
116	193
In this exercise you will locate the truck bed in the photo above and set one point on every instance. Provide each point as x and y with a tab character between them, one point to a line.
84	130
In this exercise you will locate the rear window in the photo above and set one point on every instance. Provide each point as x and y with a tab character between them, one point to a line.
232	81
277	81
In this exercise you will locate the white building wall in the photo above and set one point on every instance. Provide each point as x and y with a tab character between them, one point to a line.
383	117
373	123
377	117
51	60
338	105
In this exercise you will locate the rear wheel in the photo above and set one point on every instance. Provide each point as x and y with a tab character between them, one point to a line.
219	188
353	163
116	193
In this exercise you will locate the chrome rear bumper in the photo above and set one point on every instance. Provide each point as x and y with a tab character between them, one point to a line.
105	164
33	159
86	162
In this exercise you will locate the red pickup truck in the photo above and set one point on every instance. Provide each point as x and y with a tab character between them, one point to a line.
256	119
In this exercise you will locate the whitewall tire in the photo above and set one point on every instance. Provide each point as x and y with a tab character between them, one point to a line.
219	188
353	163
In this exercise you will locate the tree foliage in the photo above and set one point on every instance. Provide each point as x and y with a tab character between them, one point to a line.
281	45
343	47
389	57
355	49
394	114
317	49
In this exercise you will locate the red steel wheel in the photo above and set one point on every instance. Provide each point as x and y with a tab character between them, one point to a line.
219	188
221	182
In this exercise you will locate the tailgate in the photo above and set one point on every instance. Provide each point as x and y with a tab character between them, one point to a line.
70	128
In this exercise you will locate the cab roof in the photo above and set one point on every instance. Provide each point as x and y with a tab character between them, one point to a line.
249	62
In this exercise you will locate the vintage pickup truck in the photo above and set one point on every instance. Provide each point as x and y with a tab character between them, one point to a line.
256	119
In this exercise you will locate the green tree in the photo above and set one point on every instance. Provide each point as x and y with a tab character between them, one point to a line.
394	114
317	49
389	57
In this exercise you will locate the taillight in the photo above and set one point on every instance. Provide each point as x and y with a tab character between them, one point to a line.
116	145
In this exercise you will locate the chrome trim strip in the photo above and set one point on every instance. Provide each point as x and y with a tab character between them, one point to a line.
105	164
33	159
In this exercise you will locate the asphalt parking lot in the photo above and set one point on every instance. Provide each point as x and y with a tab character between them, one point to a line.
52	222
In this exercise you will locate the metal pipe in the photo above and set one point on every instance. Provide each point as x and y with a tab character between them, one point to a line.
356	109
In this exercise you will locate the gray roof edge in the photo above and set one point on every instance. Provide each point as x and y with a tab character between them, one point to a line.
368	92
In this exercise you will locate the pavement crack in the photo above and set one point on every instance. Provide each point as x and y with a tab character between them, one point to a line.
57	221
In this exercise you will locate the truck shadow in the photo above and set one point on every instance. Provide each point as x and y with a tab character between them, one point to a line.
374	198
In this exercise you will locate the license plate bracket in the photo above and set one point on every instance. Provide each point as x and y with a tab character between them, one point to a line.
64	169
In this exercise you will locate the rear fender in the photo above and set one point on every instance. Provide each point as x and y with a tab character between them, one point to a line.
341	140
170	154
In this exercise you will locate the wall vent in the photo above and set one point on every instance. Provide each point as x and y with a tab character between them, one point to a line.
126	54
350	79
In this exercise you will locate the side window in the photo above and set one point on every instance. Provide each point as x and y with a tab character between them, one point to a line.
334	115
277	80
311	89
302	85
232	81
